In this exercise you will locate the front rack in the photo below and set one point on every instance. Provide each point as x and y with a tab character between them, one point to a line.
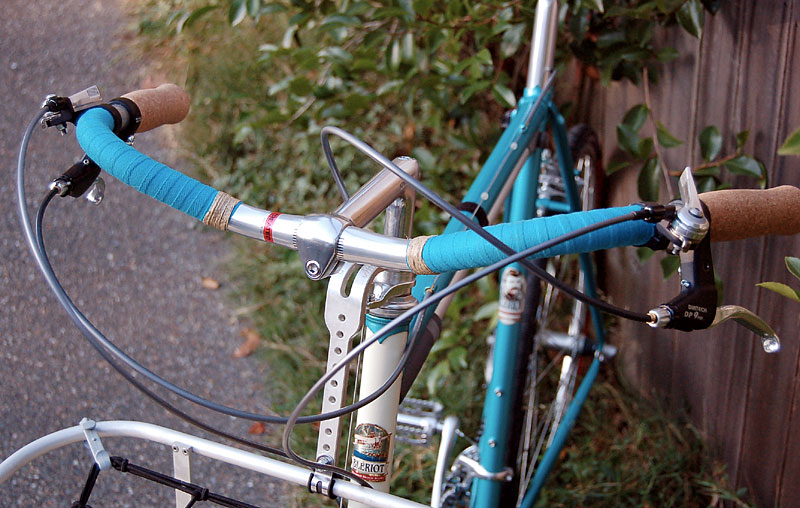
210	449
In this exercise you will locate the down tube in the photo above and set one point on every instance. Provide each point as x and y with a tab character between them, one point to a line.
500	392
550	456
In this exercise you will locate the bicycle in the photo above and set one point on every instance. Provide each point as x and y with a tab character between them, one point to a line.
335	247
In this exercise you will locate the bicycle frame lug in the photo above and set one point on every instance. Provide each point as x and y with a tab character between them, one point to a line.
100	455
384	292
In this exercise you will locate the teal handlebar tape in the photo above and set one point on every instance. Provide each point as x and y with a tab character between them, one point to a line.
465	249
94	130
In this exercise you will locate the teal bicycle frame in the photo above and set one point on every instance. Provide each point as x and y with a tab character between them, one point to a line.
515	152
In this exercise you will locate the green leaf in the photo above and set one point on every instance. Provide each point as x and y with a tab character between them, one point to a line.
793	265
690	17
781	289
741	139
458	357
710	143
336	54
745	165
394	55
596	5
665	138
425	158
422	7
649	180
389	86
616	165
670	265
710	171
635	117
645	148
301	86
483	57
705	184
487	311
237	12
667	54
242	133
608	39
272	8
504	95
644	253
189	18
792	144
668	6
440	371
473	88
253	8
627	139
338	20
512	39
409	49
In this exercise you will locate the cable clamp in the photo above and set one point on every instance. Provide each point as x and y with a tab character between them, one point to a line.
101	456
320	482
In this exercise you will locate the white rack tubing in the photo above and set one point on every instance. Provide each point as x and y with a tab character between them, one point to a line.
204	447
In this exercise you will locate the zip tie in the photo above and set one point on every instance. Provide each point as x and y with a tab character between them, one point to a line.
220	211
414	256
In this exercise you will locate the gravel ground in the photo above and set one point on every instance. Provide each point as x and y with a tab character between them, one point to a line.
133	265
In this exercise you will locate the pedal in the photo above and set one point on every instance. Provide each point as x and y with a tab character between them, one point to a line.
418	420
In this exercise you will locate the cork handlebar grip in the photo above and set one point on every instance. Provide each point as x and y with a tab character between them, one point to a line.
745	213
164	104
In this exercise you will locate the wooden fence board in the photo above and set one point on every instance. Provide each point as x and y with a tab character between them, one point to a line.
741	75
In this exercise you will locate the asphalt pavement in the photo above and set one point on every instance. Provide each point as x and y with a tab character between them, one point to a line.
133	266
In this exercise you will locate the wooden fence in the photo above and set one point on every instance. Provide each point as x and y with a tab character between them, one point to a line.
744	73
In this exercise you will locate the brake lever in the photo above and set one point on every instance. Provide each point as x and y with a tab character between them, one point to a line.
695	307
769	339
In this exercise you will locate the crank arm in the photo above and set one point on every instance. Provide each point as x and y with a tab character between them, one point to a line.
769	339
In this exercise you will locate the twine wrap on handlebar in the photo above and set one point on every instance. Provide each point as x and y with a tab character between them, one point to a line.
96	137
465	249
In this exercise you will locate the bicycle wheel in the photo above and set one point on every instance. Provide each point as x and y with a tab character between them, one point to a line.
555	327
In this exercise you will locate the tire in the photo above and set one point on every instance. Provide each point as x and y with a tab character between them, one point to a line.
547	309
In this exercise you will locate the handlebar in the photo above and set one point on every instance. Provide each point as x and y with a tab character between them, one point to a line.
745	213
736	214
165	104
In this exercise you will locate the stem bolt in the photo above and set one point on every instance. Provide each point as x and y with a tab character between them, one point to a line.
312	268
